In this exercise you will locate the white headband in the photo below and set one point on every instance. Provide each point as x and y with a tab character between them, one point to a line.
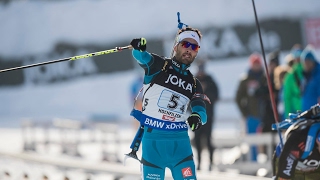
189	34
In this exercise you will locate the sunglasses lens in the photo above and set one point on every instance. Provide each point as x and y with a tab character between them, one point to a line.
195	47
186	44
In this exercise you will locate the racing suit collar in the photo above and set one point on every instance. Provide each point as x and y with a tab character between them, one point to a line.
180	67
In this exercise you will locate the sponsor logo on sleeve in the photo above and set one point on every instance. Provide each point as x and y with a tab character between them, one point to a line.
308	165
311	162
154	176
288	169
187	172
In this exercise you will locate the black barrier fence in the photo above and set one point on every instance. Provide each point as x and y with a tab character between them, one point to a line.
242	39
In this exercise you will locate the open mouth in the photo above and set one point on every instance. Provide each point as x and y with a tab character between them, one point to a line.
186	55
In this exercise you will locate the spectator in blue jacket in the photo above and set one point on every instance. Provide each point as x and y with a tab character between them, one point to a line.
311	82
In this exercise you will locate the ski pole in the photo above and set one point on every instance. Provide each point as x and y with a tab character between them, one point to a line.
135	144
273	103
109	51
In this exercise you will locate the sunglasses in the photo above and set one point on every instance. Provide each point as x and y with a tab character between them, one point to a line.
186	44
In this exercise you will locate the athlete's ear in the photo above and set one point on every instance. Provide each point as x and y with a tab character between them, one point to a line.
175	47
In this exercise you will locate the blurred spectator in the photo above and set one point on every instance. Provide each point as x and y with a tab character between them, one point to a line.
311	81
296	51
292	83
267	117
279	74
267	114
25	177
6	176
210	88
248	100
290	60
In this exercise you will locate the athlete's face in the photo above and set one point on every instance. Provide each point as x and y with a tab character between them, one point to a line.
186	51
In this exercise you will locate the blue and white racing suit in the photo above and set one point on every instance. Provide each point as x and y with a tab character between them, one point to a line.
169	88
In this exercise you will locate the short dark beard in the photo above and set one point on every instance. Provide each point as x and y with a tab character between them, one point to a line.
178	58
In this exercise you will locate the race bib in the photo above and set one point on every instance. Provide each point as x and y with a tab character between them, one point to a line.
172	101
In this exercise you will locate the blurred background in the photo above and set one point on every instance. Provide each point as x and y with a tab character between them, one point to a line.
79	111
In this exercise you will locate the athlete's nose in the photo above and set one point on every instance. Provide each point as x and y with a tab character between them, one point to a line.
189	48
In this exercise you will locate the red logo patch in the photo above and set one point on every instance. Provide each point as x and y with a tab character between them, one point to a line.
186	172
169	118
296	154
301	146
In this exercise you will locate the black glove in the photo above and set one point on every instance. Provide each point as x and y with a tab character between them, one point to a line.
194	121
139	44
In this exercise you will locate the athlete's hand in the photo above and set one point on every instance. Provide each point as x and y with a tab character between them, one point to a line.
139	44
194	121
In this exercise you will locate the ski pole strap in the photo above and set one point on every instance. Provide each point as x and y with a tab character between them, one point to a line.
137	139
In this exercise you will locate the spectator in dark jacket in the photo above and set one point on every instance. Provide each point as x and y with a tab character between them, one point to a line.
248	98
268	115
210	88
